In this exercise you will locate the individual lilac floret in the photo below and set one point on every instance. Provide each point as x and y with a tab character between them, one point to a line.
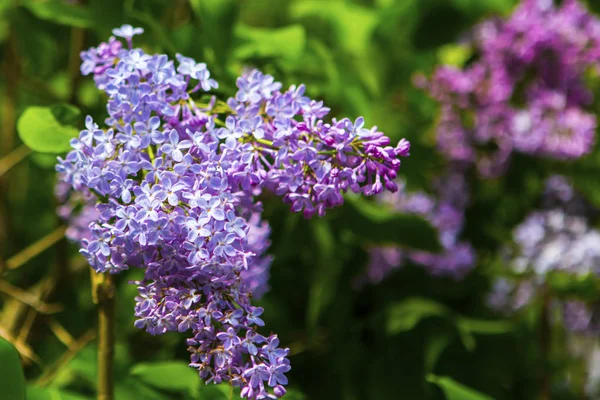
174	183
524	91
127	32
446	213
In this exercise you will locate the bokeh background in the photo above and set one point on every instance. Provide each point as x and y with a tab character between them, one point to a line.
380	341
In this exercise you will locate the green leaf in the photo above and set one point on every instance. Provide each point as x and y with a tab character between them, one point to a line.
170	376
406	315
218	19
65	114
435	347
43	160
133	389
40	130
62	13
454	390
286	43
565	284
381	225
485	327
39	393
327	273
218	392
12	380
353	25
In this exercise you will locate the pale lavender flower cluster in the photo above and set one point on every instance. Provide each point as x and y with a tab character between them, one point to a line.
525	91
445	211
176	185
560	239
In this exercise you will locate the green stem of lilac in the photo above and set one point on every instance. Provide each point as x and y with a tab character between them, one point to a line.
151	154
35	249
264	142
103	292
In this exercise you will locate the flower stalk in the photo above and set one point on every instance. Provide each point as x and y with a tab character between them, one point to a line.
103	294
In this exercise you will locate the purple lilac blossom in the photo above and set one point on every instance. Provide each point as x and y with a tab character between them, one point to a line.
175	185
556	238
525	90
555	241
446	213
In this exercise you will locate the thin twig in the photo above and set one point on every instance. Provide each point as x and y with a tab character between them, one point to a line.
35	249
28	298
42	289
75	348
13	158
61	333
103	290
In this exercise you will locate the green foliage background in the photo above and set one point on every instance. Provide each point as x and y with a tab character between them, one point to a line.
411	337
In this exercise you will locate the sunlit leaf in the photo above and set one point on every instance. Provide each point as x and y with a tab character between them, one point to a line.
287	43
353	24
41	131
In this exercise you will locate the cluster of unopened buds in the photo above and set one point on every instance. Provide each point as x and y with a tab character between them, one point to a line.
173	185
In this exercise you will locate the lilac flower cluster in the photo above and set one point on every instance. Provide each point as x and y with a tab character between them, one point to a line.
446	212
510	295
176	182
558	238
525	91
